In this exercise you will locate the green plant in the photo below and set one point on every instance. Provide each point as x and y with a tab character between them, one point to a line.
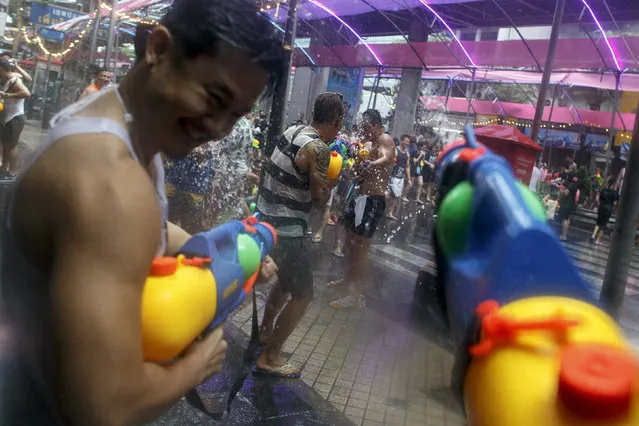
584	181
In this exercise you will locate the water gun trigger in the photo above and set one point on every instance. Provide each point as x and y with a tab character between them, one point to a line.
500	330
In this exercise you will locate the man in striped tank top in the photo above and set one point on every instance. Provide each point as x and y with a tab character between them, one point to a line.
295	180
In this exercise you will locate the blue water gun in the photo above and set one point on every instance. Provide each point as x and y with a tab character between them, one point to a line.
198	289
533	346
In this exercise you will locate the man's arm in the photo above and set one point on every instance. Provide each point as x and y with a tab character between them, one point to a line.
314	158
176	238
88	91
25	75
106	232
17	91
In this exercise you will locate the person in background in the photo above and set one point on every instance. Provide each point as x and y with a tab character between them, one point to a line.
365	210
17	69
400	174
607	199
188	182
102	80
567	203
550	203
418	164
260	126
534	179
412	152
432	151
232	159
89	214
295	181
13	94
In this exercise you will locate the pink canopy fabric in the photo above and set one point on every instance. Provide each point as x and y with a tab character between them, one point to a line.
572	54
629	82
562	115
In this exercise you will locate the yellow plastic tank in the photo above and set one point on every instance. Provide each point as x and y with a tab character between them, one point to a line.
578	372
335	165
178	303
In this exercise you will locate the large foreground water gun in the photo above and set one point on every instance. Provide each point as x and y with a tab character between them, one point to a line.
533	346
197	290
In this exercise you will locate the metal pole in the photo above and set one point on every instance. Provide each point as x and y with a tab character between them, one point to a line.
470	95
376	87
45	99
109	46
623	240
550	58
276	118
552	109
94	37
611	133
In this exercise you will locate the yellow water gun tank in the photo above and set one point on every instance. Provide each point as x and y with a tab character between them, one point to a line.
178	303
550	361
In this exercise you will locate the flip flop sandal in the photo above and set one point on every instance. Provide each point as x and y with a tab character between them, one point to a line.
317	239
338	253
347	303
335	284
280	372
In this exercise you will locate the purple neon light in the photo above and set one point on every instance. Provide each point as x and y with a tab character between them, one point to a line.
334	15
450	30
603	33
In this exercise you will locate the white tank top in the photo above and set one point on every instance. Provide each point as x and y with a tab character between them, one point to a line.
66	123
12	107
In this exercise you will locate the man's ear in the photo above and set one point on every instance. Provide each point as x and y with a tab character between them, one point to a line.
158	45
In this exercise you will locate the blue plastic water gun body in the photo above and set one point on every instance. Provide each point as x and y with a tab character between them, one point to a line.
509	254
221	245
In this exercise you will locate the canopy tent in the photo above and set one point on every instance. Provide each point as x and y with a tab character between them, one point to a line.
564	115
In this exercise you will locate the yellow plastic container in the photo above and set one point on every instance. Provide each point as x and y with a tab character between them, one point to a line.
585	375
178	303
335	165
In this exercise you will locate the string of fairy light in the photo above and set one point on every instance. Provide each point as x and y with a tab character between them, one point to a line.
623	135
39	41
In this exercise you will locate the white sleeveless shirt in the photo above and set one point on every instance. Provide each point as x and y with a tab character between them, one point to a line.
67	123
12	107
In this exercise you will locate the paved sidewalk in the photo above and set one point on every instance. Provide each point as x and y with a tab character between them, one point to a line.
377	365
33	134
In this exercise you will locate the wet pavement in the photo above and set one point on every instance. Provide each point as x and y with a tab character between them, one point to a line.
380	365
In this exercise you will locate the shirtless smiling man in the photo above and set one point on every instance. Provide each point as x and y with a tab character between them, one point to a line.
364	212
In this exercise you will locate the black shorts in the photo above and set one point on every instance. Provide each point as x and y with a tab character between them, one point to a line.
292	256
563	214
373	212
11	131
603	216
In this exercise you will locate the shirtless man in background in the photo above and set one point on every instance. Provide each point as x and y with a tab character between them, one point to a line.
364	212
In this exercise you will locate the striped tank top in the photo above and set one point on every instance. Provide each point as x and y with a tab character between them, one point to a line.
285	195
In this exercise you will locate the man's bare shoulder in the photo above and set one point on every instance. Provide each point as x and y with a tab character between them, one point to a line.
386	141
87	175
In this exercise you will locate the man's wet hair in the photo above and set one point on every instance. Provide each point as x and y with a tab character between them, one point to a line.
373	116
5	65
405	137
328	109
197	26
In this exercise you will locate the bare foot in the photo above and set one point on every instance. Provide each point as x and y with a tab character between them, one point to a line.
391	217
269	365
